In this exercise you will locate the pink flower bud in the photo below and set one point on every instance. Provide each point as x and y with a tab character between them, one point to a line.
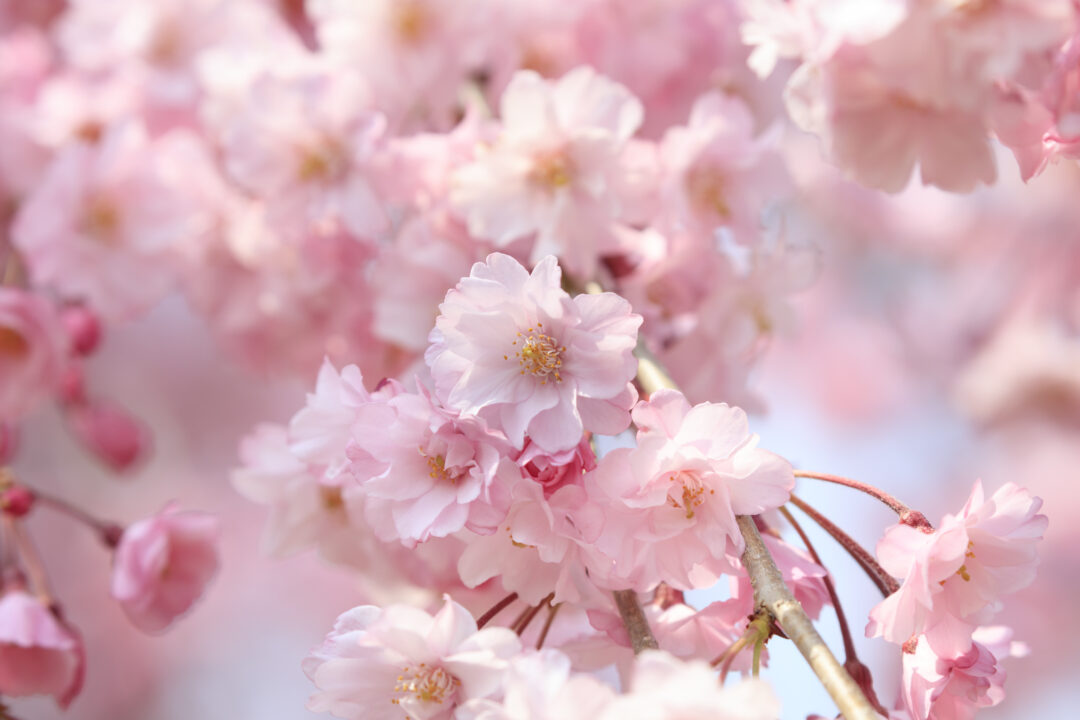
162	566
110	432
16	500
39	653
83	328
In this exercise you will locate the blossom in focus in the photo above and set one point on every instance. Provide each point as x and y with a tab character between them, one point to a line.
954	577
39	653
424	471
382	663
514	348
162	566
673	499
33	351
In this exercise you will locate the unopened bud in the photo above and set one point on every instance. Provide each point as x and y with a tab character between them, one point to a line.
83	328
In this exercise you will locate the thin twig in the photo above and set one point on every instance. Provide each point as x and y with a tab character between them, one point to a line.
633	617
552	610
885	582
495	610
914	518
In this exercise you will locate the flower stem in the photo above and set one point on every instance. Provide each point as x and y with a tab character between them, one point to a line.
637	625
495	610
552	609
770	591
109	532
885	582
859	672
528	614
914	518
31	561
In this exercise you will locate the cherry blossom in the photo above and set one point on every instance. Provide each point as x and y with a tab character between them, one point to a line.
39	653
514	348
555	169
955	576
33	350
162	566
379	663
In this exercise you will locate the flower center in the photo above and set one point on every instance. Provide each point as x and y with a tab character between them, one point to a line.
325	160
552	170
412	22
963	570
425	684
102	221
331	497
437	464
13	344
687	492
707	190
540	355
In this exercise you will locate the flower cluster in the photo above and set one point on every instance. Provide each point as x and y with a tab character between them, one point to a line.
954	577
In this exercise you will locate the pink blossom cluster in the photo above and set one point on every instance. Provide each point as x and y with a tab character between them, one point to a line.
382	662
434	195
953	579
890	84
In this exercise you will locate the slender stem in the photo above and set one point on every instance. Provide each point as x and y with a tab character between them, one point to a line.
637	625
914	518
885	582
495	610
110	532
771	593
729	655
830	587
31	561
755	667
552	610
527	616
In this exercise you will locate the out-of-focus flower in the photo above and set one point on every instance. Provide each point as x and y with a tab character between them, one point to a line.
33	351
555	170
39	653
163	565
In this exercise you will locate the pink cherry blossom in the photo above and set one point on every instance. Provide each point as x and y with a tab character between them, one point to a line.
425	471
33	350
665	688
540	686
304	146
673	499
540	546
717	173
950	688
515	349
381	663
162	566
416	54
955	576
113	211
40	654
555	170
